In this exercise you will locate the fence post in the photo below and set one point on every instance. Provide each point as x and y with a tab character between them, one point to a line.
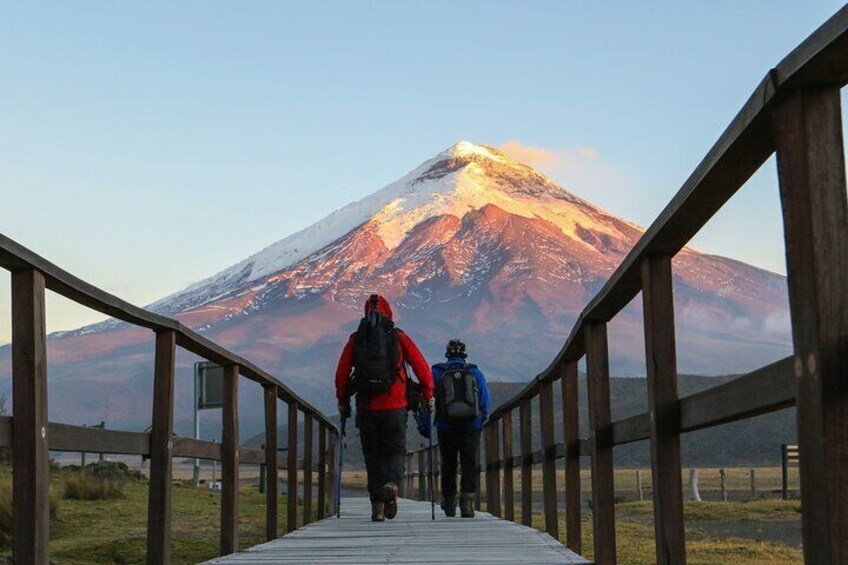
694	490
661	360
229	462
291	469
603	493
508	484
322	471
333	471
811	173
307	468
161	447
784	467
639	492
570	434
478	496
723	477
524	416
30	455
549	490
271	474
753	484
493	488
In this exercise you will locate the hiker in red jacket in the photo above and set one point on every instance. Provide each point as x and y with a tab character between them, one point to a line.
373	366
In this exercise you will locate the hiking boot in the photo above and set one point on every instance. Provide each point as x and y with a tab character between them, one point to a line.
377	512
390	491
449	506
466	504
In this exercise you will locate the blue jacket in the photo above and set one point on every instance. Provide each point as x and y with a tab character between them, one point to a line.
482	391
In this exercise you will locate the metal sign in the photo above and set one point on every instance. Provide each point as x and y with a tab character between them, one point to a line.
210	390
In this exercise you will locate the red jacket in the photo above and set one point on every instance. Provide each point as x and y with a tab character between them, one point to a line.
396	396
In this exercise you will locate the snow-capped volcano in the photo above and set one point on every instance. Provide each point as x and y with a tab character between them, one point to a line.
463	178
470	244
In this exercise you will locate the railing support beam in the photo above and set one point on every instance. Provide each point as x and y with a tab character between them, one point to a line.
322	472
549	490
571	438
493	486
161	449
657	297
271	465
603	493
30	456
307	468
291	469
524	416
508	482
229	462
811	171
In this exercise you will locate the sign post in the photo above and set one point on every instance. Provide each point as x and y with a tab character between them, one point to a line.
208	393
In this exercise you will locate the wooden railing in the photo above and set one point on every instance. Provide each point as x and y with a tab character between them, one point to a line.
31	436
794	112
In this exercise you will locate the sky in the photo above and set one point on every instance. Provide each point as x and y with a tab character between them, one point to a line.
146	146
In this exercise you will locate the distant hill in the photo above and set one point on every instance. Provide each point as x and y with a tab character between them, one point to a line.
751	442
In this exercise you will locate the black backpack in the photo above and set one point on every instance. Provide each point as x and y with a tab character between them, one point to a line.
457	397
376	354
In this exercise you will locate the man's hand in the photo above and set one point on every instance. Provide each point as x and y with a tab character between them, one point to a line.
431	403
344	411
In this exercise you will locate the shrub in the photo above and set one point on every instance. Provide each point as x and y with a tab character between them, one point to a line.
85	486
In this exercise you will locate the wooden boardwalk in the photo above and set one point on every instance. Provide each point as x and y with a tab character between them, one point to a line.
412	537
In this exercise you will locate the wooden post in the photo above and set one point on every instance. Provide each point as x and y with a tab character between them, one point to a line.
549	490
30	456
493	487
333	472
307	469
422	475
508	484
723	478
784	467
478	497
161	448
437	466
291	469
322	471
639	492
524	415
603	493
271	471
658	301
229	462
570	434
811	171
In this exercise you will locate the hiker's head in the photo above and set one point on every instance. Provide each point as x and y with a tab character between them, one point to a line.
455	350
382	305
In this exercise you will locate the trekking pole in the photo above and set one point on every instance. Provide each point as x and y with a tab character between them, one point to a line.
339	481
432	476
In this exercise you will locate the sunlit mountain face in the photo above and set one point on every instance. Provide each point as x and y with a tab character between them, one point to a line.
470	244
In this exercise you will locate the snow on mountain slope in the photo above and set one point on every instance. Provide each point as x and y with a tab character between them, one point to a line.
462	178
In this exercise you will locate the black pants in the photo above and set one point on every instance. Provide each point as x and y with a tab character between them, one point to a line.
459	442
383	436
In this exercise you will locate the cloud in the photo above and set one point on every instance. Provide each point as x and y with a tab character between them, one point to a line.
549	159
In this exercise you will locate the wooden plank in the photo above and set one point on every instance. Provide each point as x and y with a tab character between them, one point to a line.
549	489
65	437
632	428
291	474
811	171
603	490
661	360
229	462
194	448
333	471
508	481
271	470
322	472
764	390
571	440
411	538
524	425
30	457
161	451
307	469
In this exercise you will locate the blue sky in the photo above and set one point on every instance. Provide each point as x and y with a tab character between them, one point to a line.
146	146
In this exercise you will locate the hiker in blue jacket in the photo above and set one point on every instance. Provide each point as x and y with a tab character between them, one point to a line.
462	405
